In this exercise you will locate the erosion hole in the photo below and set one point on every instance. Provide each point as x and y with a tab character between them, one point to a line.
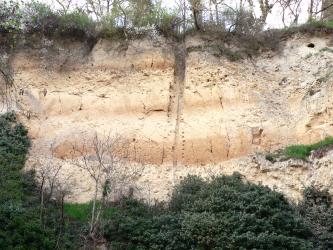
311	45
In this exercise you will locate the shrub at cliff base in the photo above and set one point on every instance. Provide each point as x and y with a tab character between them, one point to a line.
225	213
316	209
20	224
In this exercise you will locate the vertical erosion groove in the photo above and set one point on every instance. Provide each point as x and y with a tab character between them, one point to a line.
176	103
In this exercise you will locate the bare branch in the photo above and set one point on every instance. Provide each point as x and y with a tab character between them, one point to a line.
108	162
324	9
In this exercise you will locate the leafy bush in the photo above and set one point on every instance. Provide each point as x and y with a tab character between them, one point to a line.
76	24
109	28
317	211
22	227
39	17
9	16
141	13
165	23
226	213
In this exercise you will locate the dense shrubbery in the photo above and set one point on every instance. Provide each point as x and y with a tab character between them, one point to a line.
317	211
225	213
129	18
9	20
39	17
22	226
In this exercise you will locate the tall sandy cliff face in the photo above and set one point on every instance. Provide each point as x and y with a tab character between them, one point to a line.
184	112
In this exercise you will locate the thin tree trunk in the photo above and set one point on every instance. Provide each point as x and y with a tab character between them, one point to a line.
94	206
41	200
196	17
184	20
217	14
311	10
62	210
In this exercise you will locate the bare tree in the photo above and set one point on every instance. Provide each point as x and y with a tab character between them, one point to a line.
53	186
326	9
62	189
197	9
100	8
47	174
111	165
266	7
311	6
64	4
217	3
291	9
182	7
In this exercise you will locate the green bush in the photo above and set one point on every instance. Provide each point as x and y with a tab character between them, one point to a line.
10	16
317	211
226	213
109	29
76	24
22	227
142	13
39	17
165	23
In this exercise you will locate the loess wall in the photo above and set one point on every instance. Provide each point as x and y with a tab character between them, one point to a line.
182	110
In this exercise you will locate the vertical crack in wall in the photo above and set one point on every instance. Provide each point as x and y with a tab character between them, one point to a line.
176	102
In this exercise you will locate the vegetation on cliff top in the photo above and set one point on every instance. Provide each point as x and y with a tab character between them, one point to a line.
129	18
235	32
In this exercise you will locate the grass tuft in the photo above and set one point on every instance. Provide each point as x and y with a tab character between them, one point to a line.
301	151
77	211
297	151
326	49
304	151
82	212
